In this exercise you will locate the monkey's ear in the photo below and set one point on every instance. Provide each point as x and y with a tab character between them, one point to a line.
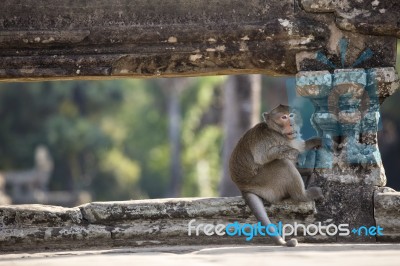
265	116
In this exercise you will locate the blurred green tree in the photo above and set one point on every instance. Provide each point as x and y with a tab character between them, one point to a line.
110	137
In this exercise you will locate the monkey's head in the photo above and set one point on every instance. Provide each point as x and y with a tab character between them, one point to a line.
285	121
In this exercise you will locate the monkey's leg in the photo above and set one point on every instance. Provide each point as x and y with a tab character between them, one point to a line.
305	166
257	207
295	185
306	175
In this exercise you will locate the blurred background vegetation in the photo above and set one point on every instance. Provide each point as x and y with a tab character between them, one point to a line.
113	139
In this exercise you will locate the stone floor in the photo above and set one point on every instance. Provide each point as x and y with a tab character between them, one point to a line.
305	254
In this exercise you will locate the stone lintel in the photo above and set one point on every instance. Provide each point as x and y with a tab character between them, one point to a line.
96	39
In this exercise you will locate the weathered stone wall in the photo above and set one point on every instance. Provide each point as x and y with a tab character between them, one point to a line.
387	213
54	39
367	17
347	114
135	223
165	222
344	52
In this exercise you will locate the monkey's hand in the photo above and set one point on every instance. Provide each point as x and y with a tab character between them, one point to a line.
313	143
315	193
316	143
329	144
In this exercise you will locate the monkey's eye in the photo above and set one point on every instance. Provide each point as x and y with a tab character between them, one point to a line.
291	115
284	117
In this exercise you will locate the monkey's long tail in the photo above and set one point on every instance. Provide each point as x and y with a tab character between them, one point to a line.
257	207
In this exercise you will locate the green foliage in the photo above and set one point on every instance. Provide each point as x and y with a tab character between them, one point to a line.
139	129
62	115
202	139
111	137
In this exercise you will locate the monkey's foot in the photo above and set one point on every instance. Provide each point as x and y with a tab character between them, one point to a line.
292	242
315	193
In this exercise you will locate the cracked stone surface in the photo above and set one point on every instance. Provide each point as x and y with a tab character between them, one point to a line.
370	17
387	213
134	223
99	39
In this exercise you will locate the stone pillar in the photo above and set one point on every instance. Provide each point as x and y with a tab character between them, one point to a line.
347	114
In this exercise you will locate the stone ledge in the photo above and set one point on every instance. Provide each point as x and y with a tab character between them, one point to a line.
387	213
134	223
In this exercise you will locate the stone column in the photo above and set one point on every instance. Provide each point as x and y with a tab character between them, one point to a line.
347	114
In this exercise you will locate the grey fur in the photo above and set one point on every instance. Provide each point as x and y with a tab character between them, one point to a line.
263	164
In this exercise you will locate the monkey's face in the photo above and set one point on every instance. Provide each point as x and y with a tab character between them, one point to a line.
287	122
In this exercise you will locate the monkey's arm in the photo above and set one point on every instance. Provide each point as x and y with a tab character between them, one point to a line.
313	143
263	154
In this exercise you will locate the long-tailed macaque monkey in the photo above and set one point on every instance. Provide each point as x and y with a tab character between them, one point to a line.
263	164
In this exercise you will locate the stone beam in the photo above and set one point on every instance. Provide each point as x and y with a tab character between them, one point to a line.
380	17
55	39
